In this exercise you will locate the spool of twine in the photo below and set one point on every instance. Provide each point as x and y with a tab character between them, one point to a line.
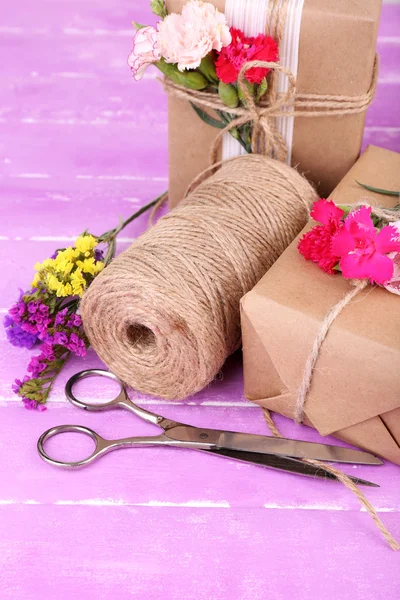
164	316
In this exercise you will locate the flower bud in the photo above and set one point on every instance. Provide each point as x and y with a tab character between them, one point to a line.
228	94
158	8
250	87
262	89
190	79
207	68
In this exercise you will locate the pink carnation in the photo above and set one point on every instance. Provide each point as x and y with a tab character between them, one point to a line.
145	51
188	37
242	50
316	244
364	252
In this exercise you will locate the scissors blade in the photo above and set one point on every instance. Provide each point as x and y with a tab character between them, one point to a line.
295	448
248	442
284	463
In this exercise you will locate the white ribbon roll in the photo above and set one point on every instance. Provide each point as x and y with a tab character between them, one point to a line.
251	17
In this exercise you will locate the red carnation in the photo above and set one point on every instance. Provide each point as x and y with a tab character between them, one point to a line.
316	244
244	49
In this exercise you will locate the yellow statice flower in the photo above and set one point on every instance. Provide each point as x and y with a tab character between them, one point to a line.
69	253
36	280
78	282
64	290
62	265
88	265
85	244
51	282
67	274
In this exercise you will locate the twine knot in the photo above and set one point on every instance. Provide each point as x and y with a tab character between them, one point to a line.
265	138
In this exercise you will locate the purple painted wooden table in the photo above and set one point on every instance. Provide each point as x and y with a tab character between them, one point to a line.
80	144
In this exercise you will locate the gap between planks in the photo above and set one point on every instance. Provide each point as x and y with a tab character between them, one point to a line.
115	503
60	403
100	32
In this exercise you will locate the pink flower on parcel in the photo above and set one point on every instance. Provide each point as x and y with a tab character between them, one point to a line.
146	50
365	253
188	37
393	285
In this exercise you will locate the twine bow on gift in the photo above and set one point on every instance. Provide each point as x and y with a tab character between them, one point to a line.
265	137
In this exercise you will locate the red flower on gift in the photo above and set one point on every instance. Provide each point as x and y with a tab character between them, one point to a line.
316	244
363	250
244	49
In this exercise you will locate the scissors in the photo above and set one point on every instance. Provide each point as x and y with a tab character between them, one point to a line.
276	453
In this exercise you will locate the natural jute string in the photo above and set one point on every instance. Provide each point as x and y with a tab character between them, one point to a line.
343	478
334	312
388	216
265	138
164	315
356	287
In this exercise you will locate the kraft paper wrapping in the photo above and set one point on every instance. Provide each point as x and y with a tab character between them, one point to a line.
336	56
355	391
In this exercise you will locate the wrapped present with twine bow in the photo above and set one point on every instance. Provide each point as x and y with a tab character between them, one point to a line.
312	115
325	350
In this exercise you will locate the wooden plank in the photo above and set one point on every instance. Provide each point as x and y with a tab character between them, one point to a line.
93	552
149	476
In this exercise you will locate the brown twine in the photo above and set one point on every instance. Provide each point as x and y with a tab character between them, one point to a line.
357	286
265	137
334	312
389	215
343	478
165	314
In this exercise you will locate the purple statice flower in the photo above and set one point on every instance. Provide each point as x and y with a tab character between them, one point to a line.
48	351
17	336
98	255
17	311
76	345
33	405
74	320
18	383
60	317
60	338
38	316
37	365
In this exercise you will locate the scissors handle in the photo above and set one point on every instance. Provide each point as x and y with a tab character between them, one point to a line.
120	401
102	446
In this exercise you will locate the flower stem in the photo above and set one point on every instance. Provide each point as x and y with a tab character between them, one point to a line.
110	236
113	232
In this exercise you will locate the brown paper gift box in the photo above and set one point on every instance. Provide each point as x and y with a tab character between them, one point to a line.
336	56
355	391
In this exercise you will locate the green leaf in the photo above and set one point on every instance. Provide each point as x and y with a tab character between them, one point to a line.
207	118
337	268
138	25
346	208
52	301
262	88
378	190
158	8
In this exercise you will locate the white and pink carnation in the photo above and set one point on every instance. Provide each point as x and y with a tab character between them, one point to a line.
146	50
188	37
393	285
